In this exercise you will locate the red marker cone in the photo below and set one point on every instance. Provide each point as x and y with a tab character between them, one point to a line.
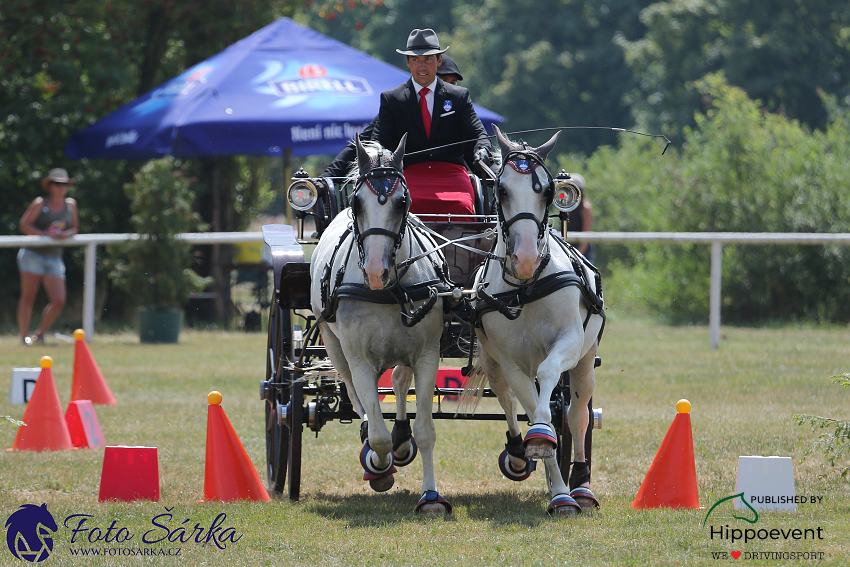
83	425
88	382
129	473
230	475
45	427
671	481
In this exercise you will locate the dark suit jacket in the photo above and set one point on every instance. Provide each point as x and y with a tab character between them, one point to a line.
453	120
342	163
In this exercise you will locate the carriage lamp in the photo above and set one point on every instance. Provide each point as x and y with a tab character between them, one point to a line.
567	194
302	194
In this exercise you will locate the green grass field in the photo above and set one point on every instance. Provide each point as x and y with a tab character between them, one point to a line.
743	397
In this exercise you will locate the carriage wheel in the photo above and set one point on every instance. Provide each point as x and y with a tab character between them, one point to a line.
296	428
277	434
565	437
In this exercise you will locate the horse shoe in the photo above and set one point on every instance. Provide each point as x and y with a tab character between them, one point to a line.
380	480
585	498
433	504
563	505
540	442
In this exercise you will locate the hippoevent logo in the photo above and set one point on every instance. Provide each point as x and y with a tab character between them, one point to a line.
29	533
734	535
314	80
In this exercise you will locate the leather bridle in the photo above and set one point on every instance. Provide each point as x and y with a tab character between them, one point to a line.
526	161
383	181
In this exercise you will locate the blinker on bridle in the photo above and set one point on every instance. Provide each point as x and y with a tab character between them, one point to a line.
383	181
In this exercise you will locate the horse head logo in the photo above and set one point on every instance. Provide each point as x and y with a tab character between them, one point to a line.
743	499
29	533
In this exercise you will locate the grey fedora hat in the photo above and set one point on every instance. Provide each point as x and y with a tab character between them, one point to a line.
449	67
422	42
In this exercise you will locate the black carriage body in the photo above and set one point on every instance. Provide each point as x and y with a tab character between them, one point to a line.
293	403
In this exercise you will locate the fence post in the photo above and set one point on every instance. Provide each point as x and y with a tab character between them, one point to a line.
714	293
89	285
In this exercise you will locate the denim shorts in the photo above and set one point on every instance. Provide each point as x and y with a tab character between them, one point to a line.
31	261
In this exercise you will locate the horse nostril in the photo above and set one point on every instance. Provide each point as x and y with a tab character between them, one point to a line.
385	276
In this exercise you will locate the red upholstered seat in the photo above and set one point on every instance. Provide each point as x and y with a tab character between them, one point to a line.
439	187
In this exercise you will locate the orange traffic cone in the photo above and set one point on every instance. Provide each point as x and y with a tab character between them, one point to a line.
230	474
671	481
45	427
88	382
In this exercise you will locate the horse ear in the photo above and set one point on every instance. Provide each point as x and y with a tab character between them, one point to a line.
364	163
543	151
506	145
398	156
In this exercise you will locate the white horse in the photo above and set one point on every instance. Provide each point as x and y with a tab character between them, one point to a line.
375	312
540	314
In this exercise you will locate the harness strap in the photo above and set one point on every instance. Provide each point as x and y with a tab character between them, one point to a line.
510	303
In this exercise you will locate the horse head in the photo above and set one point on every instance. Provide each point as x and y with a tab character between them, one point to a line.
379	205
524	191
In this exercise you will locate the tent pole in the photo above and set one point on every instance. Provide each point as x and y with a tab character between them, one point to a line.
287	175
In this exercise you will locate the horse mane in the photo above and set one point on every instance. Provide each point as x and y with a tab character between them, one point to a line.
372	148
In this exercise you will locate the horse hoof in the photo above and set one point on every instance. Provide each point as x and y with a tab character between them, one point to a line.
433	504
564	505
432	509
507	468
409	457
539	449
585	498
565	511
382	484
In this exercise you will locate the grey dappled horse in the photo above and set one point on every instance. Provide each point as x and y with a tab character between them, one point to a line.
375	312
540	314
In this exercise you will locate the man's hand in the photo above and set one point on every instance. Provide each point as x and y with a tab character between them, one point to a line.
483	155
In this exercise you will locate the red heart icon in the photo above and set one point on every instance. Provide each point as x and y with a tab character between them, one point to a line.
736	554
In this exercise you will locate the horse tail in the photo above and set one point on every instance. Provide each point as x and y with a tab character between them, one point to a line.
473	391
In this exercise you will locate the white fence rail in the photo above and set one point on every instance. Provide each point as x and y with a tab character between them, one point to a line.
715	239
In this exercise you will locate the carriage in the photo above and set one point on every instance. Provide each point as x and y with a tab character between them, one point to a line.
303	391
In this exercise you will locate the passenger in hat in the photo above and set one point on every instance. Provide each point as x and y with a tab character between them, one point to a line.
340	166
444	133
55	215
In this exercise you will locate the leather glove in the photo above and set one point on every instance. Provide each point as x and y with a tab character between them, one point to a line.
483	154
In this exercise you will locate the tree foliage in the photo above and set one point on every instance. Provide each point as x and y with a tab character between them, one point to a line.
781	53
778	164
66	64
740	170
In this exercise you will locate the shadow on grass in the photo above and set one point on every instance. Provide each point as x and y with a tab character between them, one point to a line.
373	510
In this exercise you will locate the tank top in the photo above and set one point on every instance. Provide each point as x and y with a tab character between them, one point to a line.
47	218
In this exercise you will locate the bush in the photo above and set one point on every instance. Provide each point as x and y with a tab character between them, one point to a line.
156	269
834	444
740	170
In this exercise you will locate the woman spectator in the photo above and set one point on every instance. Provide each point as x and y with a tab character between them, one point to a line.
53	215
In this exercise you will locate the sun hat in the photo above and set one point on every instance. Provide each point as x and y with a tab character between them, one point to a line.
422	42
449	67
57	174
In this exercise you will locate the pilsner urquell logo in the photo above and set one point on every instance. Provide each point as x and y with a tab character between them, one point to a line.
29	533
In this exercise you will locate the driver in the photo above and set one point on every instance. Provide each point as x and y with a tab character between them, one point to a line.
434	114
447	71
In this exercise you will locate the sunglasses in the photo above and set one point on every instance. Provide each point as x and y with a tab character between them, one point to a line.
59	182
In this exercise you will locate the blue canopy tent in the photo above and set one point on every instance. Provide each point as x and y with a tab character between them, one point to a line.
283	90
